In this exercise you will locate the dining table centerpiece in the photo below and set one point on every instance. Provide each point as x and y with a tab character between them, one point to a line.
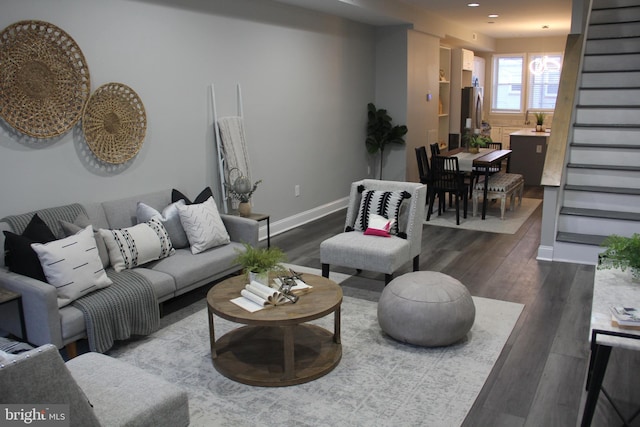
474	141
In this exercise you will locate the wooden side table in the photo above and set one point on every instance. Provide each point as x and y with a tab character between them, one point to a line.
6	297
262	217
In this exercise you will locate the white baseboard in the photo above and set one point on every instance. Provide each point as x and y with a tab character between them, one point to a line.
301	218
545	253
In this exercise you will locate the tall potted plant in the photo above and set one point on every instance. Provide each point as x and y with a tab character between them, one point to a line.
381	132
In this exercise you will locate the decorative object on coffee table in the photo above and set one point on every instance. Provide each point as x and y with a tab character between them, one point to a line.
257	262
44	79
426	308
114	123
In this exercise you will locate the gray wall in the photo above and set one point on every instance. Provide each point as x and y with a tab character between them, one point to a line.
306	79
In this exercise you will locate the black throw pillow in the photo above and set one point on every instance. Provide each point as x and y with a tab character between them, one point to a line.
19	257
201	198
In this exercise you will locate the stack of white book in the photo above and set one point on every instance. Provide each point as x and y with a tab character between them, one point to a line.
625	317
256	296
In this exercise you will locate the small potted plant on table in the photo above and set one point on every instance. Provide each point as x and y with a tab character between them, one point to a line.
622	252
257	263
473	141
540	121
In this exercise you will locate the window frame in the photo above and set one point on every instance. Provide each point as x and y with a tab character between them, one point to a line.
526	76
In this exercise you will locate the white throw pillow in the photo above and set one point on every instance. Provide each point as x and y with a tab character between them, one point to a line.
384	203
133	246
379	226
170	218
203	226
72	265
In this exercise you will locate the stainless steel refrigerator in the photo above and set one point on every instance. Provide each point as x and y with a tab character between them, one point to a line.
471	108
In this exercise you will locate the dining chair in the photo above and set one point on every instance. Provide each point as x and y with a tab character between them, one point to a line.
447	178
424	170
435	149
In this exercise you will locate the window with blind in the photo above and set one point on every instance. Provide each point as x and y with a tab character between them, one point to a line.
507	83
544	78
541	72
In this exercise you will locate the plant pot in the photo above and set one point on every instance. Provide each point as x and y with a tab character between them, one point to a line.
244	209
474	150
539	128
259	277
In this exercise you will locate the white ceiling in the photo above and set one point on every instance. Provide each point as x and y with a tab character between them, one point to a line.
517	18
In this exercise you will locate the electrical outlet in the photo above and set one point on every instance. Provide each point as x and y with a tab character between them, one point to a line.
538	149
296	190
368	170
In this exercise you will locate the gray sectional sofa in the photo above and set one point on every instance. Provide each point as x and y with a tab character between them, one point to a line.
171	276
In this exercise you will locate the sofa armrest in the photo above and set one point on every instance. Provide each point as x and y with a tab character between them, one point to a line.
241	230
40	304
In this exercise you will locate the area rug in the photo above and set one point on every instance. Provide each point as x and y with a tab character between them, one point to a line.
492	223
378	382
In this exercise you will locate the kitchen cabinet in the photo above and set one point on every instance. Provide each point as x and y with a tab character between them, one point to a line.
467	60
461	76
506	136
444	97
529	149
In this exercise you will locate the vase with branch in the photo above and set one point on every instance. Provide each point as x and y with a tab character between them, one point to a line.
242	190
381	132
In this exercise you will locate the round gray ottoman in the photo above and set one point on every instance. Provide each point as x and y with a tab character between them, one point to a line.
426	308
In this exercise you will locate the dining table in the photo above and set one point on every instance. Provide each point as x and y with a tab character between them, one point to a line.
481	162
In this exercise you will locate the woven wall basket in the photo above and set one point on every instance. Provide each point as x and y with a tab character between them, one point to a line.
114	123
44	79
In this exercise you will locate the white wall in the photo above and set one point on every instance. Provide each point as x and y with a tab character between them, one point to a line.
306	79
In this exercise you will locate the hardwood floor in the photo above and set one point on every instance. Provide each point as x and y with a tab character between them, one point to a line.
539	378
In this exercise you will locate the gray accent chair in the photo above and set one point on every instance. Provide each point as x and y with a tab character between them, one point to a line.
354	249
100	390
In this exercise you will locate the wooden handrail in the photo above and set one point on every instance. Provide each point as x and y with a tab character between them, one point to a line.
562	116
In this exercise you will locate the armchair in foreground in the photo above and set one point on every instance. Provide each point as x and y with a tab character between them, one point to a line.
361	245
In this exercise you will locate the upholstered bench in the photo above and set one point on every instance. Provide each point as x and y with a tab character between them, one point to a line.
500	186
426	308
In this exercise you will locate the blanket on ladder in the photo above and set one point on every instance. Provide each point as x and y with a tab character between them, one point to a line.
234	145
125	308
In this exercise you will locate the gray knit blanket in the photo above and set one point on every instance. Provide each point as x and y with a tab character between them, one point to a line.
127	307
50	216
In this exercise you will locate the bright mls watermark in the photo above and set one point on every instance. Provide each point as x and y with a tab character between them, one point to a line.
34	415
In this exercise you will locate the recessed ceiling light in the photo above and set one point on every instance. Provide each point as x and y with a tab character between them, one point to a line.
473	4
493	15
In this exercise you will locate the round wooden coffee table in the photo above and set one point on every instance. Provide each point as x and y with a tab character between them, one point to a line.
276	347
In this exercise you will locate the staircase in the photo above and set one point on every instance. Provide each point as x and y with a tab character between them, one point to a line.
602	191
